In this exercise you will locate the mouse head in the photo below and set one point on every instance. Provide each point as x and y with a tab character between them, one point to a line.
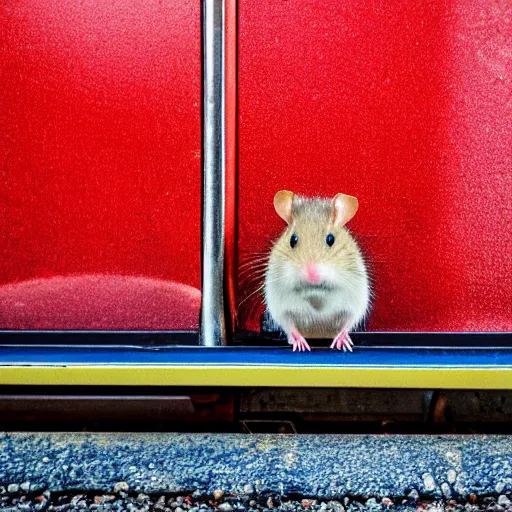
315	246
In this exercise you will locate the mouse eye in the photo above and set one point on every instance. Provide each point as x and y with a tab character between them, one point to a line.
293	240
329	239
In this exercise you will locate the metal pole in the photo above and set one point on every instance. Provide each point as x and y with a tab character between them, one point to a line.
213	330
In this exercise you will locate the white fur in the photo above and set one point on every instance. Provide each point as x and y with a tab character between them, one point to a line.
345	301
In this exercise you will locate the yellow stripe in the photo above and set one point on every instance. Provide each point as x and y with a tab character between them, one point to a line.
454	378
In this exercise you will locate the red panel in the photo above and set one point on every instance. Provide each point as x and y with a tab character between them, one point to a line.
406	105
100	156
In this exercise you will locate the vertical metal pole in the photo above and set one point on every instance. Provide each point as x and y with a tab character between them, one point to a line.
213	330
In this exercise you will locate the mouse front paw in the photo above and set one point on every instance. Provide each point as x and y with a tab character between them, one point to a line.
343	341
298	342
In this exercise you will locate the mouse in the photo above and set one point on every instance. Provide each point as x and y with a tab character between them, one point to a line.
316	280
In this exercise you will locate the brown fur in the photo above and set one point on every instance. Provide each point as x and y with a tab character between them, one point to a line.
308	214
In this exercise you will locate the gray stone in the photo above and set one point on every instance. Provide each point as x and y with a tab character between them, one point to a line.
446	490
428	482
414	495
336	506
217	494
388	503
504	501
121	486
76	499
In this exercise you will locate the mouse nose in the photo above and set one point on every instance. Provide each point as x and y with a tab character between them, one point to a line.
312	273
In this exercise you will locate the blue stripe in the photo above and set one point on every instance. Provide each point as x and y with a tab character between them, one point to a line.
383	357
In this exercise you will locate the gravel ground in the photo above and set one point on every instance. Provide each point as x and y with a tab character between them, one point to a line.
124	500
307	465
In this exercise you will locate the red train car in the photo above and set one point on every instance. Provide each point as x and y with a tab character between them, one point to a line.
143	143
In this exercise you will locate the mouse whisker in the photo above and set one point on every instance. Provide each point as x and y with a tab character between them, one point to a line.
253	257
253	262
251	276
249	286
256	266
253	303
267	247
259	289
250	281
251	273
258	281
251	270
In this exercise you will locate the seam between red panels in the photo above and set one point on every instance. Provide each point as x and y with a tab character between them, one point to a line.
231	191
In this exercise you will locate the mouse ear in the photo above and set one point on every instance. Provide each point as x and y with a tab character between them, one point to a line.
283	204
344	208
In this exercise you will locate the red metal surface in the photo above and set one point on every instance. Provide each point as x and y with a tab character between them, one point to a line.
231	256
100	155
405	105
99	302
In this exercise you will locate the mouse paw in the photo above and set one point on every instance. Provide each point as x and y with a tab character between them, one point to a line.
343	341
298	342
